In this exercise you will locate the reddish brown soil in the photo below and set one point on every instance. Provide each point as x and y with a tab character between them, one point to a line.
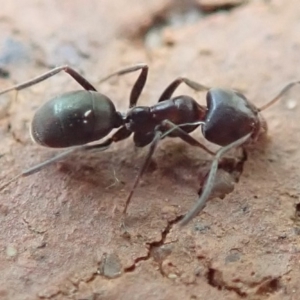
60	236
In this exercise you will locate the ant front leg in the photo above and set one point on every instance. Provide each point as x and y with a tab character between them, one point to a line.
74	74
168	92
209	184
139	84
153	146
228	174
184	135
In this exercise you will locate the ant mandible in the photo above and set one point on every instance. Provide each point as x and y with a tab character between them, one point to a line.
229	120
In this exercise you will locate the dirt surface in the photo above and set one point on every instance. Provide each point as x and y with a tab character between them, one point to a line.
60	234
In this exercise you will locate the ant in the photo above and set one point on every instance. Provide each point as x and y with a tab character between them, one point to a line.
74	119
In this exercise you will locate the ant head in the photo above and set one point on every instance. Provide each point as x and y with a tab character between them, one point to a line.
231	110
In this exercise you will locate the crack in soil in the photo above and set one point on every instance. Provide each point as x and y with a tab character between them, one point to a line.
4	73
94	275
210	8
180	12
234	167
154	245
215	279
266	286
31	228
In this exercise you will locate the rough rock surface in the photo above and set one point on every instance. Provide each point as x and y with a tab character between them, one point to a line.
60	234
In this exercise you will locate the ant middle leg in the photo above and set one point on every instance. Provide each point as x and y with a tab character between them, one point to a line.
168	92
153	146
138	85
158	135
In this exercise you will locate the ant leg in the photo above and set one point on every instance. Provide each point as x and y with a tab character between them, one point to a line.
74	74
48	162
184	135
139	84
209	184
278	97
39	167
168	92
153	145
120	134
157	137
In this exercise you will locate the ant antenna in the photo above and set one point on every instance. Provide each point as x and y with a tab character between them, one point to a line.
278	97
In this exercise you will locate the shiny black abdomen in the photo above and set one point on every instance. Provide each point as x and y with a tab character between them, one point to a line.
74	118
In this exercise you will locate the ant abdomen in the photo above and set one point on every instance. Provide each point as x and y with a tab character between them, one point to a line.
73	118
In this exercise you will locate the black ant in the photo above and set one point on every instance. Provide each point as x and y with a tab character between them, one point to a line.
76	118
